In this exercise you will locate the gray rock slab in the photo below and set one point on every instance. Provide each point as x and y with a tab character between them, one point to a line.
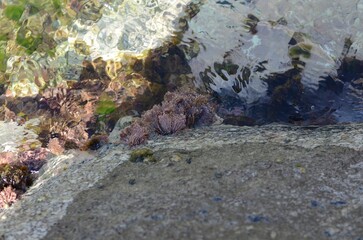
270	182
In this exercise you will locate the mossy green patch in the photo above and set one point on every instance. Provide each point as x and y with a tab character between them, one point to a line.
33	10
105	106
3	59
4	37
142	155
28	40
57	4
301	49
14	12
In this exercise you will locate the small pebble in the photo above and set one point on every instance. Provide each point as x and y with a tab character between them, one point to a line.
257	218
314	203
176	158
248	228
132	181
218	174
217	199
338	203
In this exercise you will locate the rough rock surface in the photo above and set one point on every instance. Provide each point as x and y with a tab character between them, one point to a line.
270	182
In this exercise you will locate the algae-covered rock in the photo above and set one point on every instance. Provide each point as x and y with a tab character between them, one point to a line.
15	137
142	155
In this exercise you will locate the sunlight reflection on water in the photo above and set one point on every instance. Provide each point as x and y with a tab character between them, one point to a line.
249	50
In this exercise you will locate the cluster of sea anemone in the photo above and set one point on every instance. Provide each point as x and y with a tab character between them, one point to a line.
178	111
17	172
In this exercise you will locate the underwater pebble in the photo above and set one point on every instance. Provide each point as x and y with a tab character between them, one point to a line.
176	158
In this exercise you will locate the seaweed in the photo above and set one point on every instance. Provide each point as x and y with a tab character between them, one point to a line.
16	175
142	155
96	142
14	12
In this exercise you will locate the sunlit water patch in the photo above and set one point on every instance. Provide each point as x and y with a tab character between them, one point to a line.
45	43
279	61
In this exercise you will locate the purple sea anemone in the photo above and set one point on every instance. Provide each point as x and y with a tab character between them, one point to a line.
135	134
178	111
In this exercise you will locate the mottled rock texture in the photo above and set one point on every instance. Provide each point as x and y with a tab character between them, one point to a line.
270	182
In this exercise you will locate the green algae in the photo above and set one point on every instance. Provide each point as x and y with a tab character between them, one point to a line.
57	4
142	155
28	40
301	49
3	59
105	106
4	37
229	67
14	12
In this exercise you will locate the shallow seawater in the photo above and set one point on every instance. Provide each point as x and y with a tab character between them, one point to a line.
281	61
74	63
90	62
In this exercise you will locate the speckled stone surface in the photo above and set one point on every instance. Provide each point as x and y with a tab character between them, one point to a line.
270	182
